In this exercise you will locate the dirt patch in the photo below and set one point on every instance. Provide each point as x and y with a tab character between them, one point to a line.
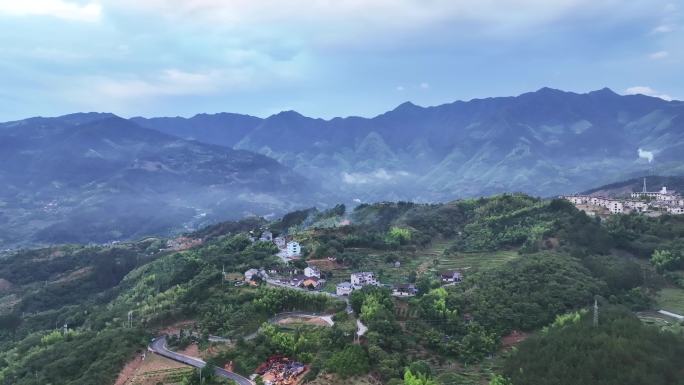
325	264
513	339
73	275
150	371
177	326
314	321
191	350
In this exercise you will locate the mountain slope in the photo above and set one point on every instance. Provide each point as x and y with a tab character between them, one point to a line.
544	143
97	177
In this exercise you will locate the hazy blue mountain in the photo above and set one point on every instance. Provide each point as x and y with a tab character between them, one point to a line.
97	177
624	188
545	143
143	176
223	129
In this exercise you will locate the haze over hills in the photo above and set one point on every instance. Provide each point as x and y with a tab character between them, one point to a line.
97	177
544	143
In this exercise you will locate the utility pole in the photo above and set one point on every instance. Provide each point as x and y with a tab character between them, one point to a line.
130	319
596	313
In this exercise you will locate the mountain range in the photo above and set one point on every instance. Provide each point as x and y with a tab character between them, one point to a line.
96	177
544	143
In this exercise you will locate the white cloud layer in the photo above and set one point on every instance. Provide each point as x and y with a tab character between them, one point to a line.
89	12
648	91
378	176
648	155
375	19
659	55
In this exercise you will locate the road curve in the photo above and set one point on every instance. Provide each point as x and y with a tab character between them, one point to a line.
158	346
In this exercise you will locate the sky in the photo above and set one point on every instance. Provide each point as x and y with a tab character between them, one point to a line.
325	58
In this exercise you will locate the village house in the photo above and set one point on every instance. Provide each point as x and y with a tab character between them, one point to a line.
294	249
404	290
312	271
650	203
663	195
615	207
359	280
451	276
266	236
280	242
344	288
312	283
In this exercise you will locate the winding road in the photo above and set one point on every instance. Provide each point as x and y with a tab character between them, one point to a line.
158	346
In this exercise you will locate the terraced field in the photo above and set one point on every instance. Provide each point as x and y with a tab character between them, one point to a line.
431	260
672	300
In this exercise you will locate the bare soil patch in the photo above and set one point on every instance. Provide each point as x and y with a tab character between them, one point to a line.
314	321
150	371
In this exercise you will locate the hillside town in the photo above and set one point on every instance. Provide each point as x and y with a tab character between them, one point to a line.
650	203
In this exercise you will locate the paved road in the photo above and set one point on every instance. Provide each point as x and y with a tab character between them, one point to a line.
158	346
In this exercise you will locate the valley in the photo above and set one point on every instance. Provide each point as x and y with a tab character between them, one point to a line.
525	265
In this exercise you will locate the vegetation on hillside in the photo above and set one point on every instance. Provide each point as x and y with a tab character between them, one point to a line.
557	260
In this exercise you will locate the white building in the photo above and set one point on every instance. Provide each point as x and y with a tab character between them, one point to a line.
344	288
450	276
615	207
404	290
359	280
266	236
676	210
663	195
312	271
294	249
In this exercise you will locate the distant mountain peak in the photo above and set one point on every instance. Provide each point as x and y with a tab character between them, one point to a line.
87	117
289	114
605	91
408	106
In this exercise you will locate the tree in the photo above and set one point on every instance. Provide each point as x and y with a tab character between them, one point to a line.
420	367
664	260
352	361
500	380
417	379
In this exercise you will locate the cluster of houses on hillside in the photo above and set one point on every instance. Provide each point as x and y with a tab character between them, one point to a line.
359	280
652	203
287	250
311	277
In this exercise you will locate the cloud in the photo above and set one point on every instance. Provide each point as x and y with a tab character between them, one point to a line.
374	177
424	85
400	88
347	20
663	28
659	55
90	12
648	155
648	91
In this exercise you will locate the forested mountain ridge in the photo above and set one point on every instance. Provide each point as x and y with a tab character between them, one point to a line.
544	143
525	261
99	178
